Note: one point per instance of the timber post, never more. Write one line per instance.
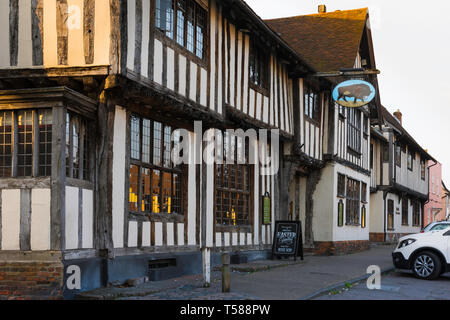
(226, 279)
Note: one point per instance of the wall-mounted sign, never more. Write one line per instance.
(354, 93)
(267, 213)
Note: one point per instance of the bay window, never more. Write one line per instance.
(26, 143)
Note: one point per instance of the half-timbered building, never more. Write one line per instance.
(335, 202)
(92, 93)
(399, 180)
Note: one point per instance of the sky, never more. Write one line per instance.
(412, 51)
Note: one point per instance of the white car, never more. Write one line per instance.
(426, 254)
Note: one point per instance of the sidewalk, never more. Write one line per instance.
(267, 280)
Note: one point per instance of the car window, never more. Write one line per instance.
(440, 227)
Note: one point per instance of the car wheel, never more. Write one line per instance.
(426, 265)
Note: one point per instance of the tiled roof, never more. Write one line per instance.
(326, 41)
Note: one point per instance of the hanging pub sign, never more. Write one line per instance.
(287, 239)
(354, 93)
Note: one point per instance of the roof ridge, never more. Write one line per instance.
(316, 14)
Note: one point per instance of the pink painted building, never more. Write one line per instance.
(434, 210)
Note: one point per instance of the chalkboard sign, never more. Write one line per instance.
(266, 205)
(287, 240)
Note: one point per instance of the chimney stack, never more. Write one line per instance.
(398, 115)
(322, 8)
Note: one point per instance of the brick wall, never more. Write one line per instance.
(31, 280)
(329, 248)
(376, 237)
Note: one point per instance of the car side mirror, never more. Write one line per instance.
(447, 233)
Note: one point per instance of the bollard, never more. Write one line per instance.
(226, 272)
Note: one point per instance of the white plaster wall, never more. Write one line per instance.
(158, 234)
(71, 225)
(146, 234)
(40, 219)
(132, 234)
(376, 212)
(88, 219)
(118, 178)
(323, 206)
(10, 219)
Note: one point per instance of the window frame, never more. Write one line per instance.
(177, 174)
(34, 165)
(416, 215)
(341, 185)
(390, 214)
(354, 131)
(410, 161)
(171, 37)
(259, 59)
(312, 113)
(353, 202)
(244, 171)
(79, 172)
(423, 169)
(398, 155)
(405, 215)
(385, 149)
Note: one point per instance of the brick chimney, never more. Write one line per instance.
(398, 115)
(322, 8)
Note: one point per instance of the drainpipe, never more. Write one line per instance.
(385, 193)
(391, 157)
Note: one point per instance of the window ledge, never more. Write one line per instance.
(353, 225)
(228, 228)
(158, 217)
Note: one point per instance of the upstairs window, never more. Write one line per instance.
(354, 130)
(184, 21)
(26, 143)
(312, 104)
(385, 153)
(259, 67)
(422, 169)
(398, 156)
(366, 126)
(411, 157)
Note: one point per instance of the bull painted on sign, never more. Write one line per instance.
(356, 92)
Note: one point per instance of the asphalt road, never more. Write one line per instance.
(396, 286)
